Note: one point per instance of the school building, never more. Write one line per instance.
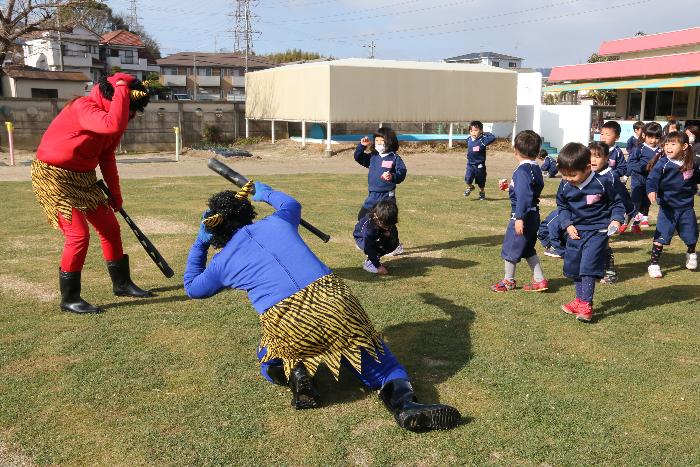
(656, 76)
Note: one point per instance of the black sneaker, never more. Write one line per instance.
(551, 252)
(482, 196)
(468, 191)
(610, 277)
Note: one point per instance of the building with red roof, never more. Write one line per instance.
(656, 76)
(126, 51)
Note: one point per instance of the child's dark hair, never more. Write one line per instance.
(107, 91)
(599, 146)
(543, 154)
(391, 142)
(236, 213)
(574, 157)
(653, 129)
(695, 130)
(667, 127)
(528, 144)
(614, 126)
(386, 212)
(638, 125)
(476, 124)
(688, 156)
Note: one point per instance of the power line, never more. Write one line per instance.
(243, 31)
(133, 17)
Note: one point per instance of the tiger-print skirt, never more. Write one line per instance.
(59, 191)
(322, 323)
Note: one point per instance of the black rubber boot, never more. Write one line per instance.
(69, 283)
(121, 280)
(276, 374)
(399, 398)
(304, 394)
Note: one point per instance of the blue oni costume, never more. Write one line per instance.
(378, 164)
(549, 166)
(552, 235)
(589, 207)
(308, 315)
(375, 241)
(637, 170)
(476, 159)
(675, 191)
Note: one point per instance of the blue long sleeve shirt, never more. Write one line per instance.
(377, 165)
(476, 148)
(637, 163)
(592, 205)
(368, 237)
(617, 161)
(268, 259)
(620, 189)
(525, 189)
(549, 166)
(674, 188)
(632, 144)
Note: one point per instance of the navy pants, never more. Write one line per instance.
(671, 221)
(551, 233)
(516, 247)
(639, 194)
(372, 199)
(586, 256)
(476, 173)
(374, 374)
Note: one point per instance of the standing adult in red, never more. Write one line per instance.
(84, 135)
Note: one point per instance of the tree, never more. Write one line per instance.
(19, 18)
(603, 96)
(292, 55)
(152, 46)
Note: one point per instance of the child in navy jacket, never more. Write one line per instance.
(587, 202)
(637, 171)
(377, 236)
(609, 135)
(549, 166)
(633, 141)
(476, 158)
(521, 233)
(552, 236)
(672, 184)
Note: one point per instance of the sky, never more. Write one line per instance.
(544, 33)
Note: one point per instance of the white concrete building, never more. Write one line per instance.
(29, 82)
(488, 58)
(126, 50)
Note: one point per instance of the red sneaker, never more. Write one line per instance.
(571, 308)
(644, 224)
(503, 285)
(636, 229)
(540, 286)
(584, 312)
(623, 227)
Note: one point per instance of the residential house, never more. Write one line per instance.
(27, 81)
(211, 76)
(655, 76)
(488, 58)
(77, 50)
(126, 51)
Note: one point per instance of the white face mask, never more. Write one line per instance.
(691, 139)
(380, 148)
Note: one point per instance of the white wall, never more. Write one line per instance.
(529, 107)
(65, 89)
(563, 124)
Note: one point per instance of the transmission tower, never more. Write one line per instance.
(133, 17)
(243, 32)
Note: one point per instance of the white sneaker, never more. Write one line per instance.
(398, 251)
(369, 267)
(655, 271)
(691, 261)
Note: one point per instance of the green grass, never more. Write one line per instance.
(172, 381)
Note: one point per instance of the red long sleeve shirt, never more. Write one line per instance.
(86, 133)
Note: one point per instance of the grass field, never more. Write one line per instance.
(172, 381)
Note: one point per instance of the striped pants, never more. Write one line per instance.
(77, 236)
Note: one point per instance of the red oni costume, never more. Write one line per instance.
(84, 135)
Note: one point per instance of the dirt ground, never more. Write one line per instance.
(284, 157)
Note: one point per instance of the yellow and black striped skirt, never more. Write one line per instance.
(322, 323)
(61, 190)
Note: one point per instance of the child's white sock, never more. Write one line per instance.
(534, 263)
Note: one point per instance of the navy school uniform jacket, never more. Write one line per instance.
(637, 163)
(632, 144)
(377, 165)
(372, 239)
(525, 189)
(674, 188)
(476, 148)
(620, 188)
(617, 161)
(591, 205)
(549, 166)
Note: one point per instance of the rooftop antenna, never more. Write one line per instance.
(371, 46)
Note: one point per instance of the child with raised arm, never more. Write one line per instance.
(521, 234)
(672, 184)
(590, 210)
(476, 158)
(637, 170)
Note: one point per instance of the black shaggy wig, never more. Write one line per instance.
(236, 213)
(107, 91)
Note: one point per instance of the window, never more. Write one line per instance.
(38, 93)
(634, 105)
(512, 65)
(128, 57)
(498, 64)
(664, 103)
(697, 104)
(113, 53)
(203, 71)
(170, 70)
(680, 103)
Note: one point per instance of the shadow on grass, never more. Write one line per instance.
(169, 288)
(402, 267)
(652, 298)
(491, 240)
(145, 301)
(432, 351)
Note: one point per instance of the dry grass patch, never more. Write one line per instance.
(24, 289)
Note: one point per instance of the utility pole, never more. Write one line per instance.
(243, 32)
(133, 18)
(194, 63)
(371, 46)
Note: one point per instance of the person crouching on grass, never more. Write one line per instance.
(672, 184)
(521, 234)
(376, 235)
(308, 315)
(587, 201)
